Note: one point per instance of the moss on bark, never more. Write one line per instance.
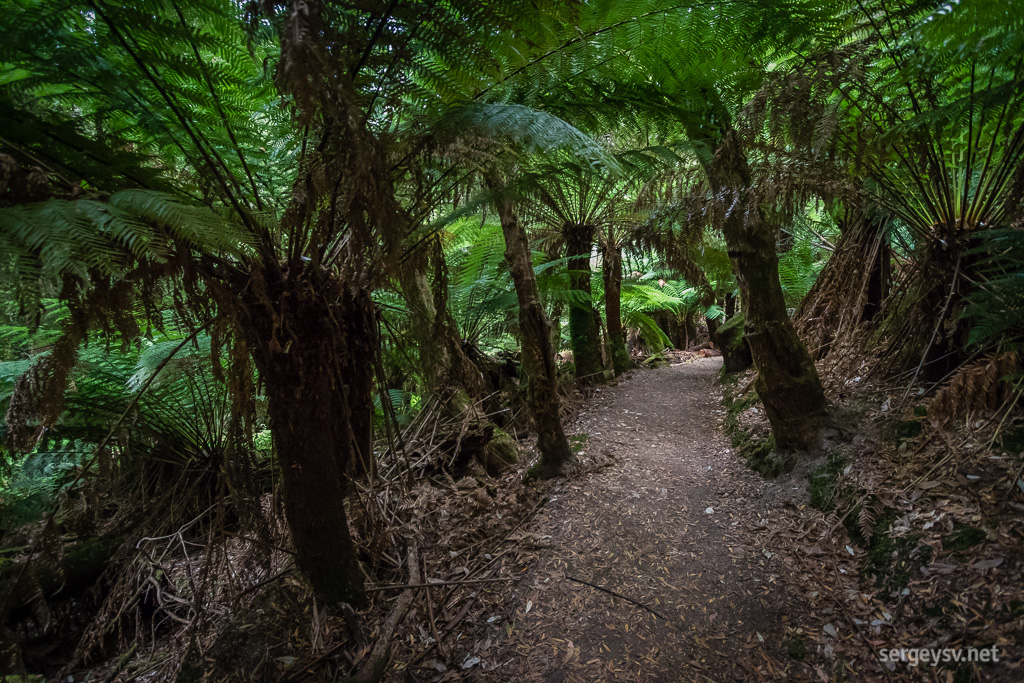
(732, 341)
(499, 453)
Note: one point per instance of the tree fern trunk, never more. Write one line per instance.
(445, 365)
(850, 290)
(787, 381)
(611, 273)
(301, 351)
(538, 356)
(583, 333)
(359, 327)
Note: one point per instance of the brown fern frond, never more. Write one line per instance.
(979, 386)
(868, 515)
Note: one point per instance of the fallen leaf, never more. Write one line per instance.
(988, 564)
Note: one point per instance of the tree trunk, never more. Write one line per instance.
(879, 276)
(583, 333)
(602, 340)
(451, 375)
(730, 305)
(787, 381)
(850, 290)
(733, 344)
(690, 328)
(611, 273)
(301, 350)
(444, 363)
(359, 327)
(538, 357)
(943, 291)
(556, 327)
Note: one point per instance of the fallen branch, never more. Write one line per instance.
(380, 655)
(396, 586)
(618, 595)
(438, 643)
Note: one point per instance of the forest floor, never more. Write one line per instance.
(675, 522)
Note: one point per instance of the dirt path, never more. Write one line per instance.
(668, 524)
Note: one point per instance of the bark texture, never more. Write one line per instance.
(305, 359)
(787, 381)
(538, 355)
(584, 336)
(732, 341)
(611, 274)
(354, 410)
(848, 294)
(443, 361)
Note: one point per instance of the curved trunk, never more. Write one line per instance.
(787, 381)
(583, 333)
(611, 273)
(302, 352)
(538, 356)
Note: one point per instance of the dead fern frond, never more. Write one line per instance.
(867, 516)
(980, 386)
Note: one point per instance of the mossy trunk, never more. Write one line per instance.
(732, 341)
(302, 352)
(443, 362)
(602, 338)
(611, 274)
(584, 336)
(535, 333)
(452, 376)
(787, 381)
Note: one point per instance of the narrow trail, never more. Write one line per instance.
(673, 524)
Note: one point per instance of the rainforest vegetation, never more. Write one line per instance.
(301, 303)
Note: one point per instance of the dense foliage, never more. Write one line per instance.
(247, 250)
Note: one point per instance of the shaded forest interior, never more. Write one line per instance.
(304, 307)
